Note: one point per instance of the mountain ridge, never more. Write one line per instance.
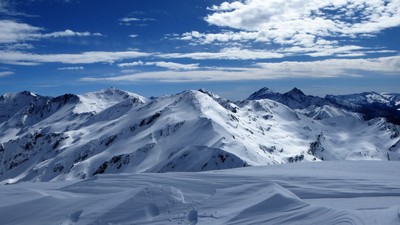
(113, 131)
(370, 104)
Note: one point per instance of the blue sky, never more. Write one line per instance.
(233, 48)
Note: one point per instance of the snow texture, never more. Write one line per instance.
(359, 192)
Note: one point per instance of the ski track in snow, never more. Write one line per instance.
(363, 192)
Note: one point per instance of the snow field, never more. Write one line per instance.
(360, 192)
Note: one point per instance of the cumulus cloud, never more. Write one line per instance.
(15, 32)
(163, 64)
(306, 24)
(264, 71)
(22, 58)
(282, 19)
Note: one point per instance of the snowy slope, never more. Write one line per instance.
(98, 101)
(363, 192)
(113, 131)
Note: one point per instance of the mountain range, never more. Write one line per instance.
(114, 131)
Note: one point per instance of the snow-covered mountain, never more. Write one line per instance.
(369, 105)
(113, 131)
(294, 99)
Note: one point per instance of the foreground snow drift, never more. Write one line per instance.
(304, 193)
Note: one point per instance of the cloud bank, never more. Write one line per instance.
(264, 71)
(21, 58)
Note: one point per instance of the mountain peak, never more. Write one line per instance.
(296, 94)
(12, 95)
(112, 91)
(295, 91)
(262, 94)
(103, 99)
(209, 93)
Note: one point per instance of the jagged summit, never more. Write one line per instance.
(266, 93)
(263, 93)
(295, 92)
(294, 98)
(18, 97)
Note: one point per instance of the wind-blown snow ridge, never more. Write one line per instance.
(113, 131)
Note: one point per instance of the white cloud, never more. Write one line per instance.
(320, 48)
(6, 73)
(72, 68)
(16, 32)
(335, 67)
(175, 76)
(288, 18)
(327, 50)
(12, 31)
(66, 33)
(168, 65)
(133, 36)
(295, 23)
(129, 20)
(227, 53)
(18, 46)
(131, 64)
(21, 58)
(128, 71)
(176, 66)
(263, 71)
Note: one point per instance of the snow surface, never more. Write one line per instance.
(347, 192)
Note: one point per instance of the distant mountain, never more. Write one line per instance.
(113, 131)
(294, 99)
(370, 105)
